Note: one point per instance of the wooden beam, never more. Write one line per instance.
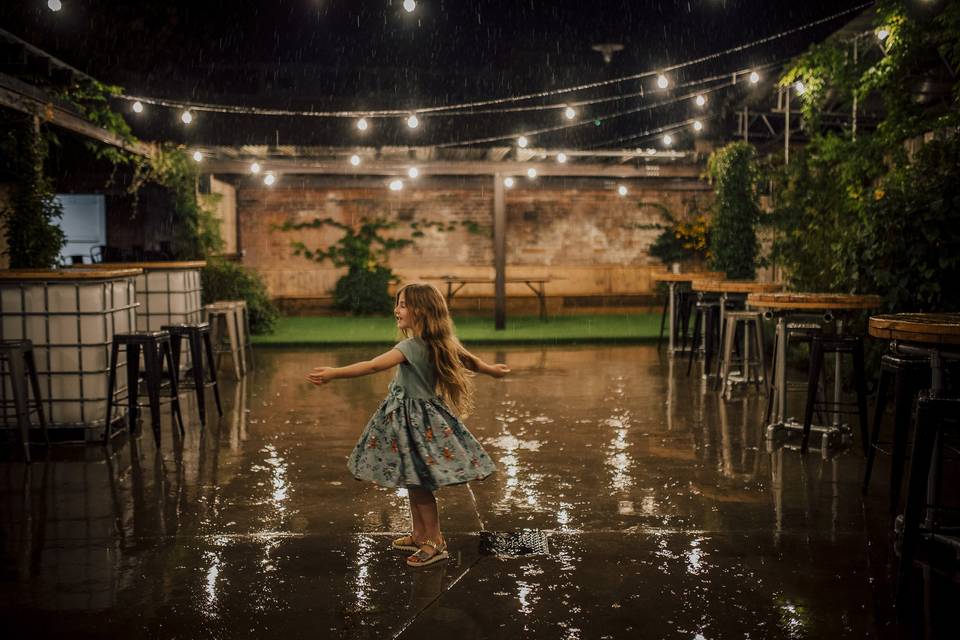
(26, 98)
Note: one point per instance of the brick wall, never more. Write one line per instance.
(578, 231)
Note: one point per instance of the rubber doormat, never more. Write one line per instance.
(512, 544)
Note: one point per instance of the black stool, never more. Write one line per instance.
(155, 346)
(18, 354)
(937, 419)
(706, 332)
(822, 345)
(910, 375)
(198, 341)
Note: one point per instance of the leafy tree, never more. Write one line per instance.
(733, 238)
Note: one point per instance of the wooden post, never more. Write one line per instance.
(786, 126)
(499, 253)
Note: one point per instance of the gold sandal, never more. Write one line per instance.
(423, 558)
(405, 543)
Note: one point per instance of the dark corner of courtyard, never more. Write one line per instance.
(422, 319)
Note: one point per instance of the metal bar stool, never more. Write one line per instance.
(155, 346)
(794, 333)
(244, 324)
(224, 323)
(822, 345)
(198, 341)
(752, 323)
(909, 375)
(706, 332)
(18, 355)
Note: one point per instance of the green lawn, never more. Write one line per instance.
(585, 329)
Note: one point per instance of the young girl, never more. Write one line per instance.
(415, 440)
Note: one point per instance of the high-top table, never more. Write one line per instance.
(935, 336)
(787, 306)
(675, 285)
(735, 289)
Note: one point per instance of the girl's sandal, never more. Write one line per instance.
(423, 558)
(406, 543)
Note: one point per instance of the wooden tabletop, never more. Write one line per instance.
(813, 301)
(735, 286)
(667, 276)
(929, 328)
(39, 275)
(147, 266)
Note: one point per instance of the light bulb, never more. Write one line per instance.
(197, 156)
(269, 179)
(697, 125)
(138, 107)
(883, 34)
(754, 77)
(362, 124)
(561, 157)
(622, 190)
(54, 5)
(522, 142)
(531, 173)
(662, 81)
(700, 100)
(668, 139)
(413, 122)
(508, 182)
(355, 160)
(409, 5)
(396, 185)
(570, 113)
(799, 87)
(186, 117)
(413, 172)
(255, 168)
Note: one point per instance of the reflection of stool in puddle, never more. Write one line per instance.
(822, 345)
(198, 340)
(16, 356)
(156, 347)
(752, 322)
(910, 375)
(938, 419)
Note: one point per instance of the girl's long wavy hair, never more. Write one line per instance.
(432, 317)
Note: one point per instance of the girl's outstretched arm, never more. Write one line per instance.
(388, 360)
(475, 363)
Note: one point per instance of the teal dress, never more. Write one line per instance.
(414, 439)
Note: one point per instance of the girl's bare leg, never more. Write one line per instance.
(423, 506)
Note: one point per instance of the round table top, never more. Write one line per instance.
(929, 328)
(668, 276)
(813, 301)
(735, 286)
(49, 275)
(147, 266)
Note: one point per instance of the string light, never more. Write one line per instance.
(799, 87)
(269, 179)
(508, 182)
(362, 124)
(413, 122)
(754, 77)
(396, 185)
(662, 81)
(522, 142)
(700, 100)
(197, 156)
(622, 190)
(667, 139)
(531, 173)
(409, 5)
(138, 107)
(186, 117)
(883, 34)
(570, 113)
(561, 157)
(413, 172)
(255, 168)
(54, 5)
(355, 160)
(697, 125)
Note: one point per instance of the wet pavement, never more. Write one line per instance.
(665, 515)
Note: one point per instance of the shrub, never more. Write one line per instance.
(733, 238)
(364, 291)
(225, 280)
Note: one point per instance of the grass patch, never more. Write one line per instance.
(585, 329)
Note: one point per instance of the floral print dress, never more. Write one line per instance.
(414, 440)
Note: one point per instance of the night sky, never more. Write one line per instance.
(372, 54)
